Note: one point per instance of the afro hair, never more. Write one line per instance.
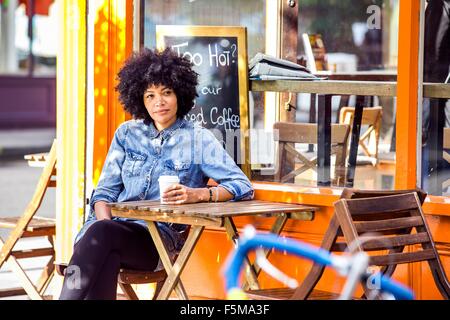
(152, 67)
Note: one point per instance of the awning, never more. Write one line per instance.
(40, 6)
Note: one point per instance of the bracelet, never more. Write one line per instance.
(210, 194)
(217, 194)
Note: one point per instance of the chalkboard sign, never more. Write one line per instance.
(219, 56)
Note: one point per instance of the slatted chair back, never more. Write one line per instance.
(287, 134)
(332, 241)
(392, 223)
(371, 117)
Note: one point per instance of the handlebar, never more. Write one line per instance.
(251, 241)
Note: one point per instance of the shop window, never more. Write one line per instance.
(435, 117)
(345, 40)
(359, 42)
(353, 35)
(247, 13)
(28, 37)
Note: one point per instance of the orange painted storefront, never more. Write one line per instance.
(113, 39)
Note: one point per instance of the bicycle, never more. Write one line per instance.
(353, 267)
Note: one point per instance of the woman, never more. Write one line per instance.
(158, 89)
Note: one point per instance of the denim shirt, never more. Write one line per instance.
(139, 154)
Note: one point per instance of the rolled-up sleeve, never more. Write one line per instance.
(110, 184)
(219, 166)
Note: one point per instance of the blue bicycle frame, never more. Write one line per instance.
(251, 241)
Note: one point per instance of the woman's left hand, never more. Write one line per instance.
(178, 193)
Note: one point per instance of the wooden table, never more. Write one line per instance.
(199, 216)
(36, 159)
(39, 160)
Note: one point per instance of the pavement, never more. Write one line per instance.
(17, 184)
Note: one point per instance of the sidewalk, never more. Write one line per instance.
(15, 143)
(32, 266)
(17, 184)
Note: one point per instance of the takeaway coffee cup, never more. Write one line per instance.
(165, 182)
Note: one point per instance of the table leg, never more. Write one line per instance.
(173, 280)
(251, 277)
(276, 229)
(312, 116)
(323, 140)
(354, 141)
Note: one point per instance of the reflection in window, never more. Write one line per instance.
(348, 40)
(356, 35)
(436, 146)
(436, 112)
(16, 56)
(375, 166)
(249, 14)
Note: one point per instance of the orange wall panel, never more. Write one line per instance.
(202, 276)
(407, 97)
(113, 40)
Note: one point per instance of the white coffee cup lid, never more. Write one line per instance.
(169, 178)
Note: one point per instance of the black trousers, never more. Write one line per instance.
(98, 256)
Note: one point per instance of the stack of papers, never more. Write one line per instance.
(265, 67)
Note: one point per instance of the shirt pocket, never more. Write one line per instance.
(178, 168)
(134, 161)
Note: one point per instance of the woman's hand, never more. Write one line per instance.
(178, 194)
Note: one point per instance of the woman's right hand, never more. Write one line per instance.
(178, 194)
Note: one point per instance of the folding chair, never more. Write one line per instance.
(398, 222)
(27, 226)
(332, 241)
(368, 141)
(289, 133)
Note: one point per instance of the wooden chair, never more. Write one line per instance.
(27, 226)
(398, 222)
(128, 277)
(332, 241)
(288, 133)
(368, 141)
